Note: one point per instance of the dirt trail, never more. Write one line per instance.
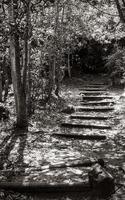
(27, 158)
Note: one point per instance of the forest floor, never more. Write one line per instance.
(28, 157)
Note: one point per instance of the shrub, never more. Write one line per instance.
(116, 67)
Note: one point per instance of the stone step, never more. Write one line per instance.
(96, 109)
(96, 97)
(97, 103)
(89, 117)
(81, 137)
(90, 126)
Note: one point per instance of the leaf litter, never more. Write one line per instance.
(41, 150)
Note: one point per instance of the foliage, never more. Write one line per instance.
(56, 30)
(116, 67)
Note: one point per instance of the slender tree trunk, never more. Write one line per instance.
(123, 1)
(56, 68)
(69, 67)
(27, 67)
(121, 15)
(6, 79)
(0, 87)
(54, 75)
(19, 90)
(57, 79)
(29, 86)
(26, 45)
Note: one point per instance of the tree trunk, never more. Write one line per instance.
(55, 78)
(120, 11)
(6, 79)
(29, 86)
(0, 87)
(69, 67)
(123, 1)
(19, 90)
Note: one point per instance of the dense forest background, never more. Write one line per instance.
(44, 42)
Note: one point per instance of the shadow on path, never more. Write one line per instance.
(8, 145)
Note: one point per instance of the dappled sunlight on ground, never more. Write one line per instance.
(31, 156)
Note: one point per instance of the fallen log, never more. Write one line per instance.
(45, 188)
(89, 117)
(83, 164)
(73, 125)
(81, 137)
(100, 182)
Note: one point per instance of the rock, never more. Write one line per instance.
(100, 179)
(69, 110)
(4, 113)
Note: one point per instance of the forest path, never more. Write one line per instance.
(30, 158)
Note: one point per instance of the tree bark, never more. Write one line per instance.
(123, 1)
(121, 15)
(0, 87)
(69, 67)
(19, 90)
(55, 67)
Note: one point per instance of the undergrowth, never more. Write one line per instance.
(116, 67)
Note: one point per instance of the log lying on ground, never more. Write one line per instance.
(100, 179)
(74, 125)
(45, 188)
(89, 117)
(81, 137)
(83, 164)
(100, 182)
(96, 97)
(97, 109)
(98, 103)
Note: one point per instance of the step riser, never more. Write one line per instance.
(97, 103)
(93, 89)
(95, 86)
(92, 93)
(84, 126)
(94, 98)
(82, 137)
(95, 110)
(89, 118)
